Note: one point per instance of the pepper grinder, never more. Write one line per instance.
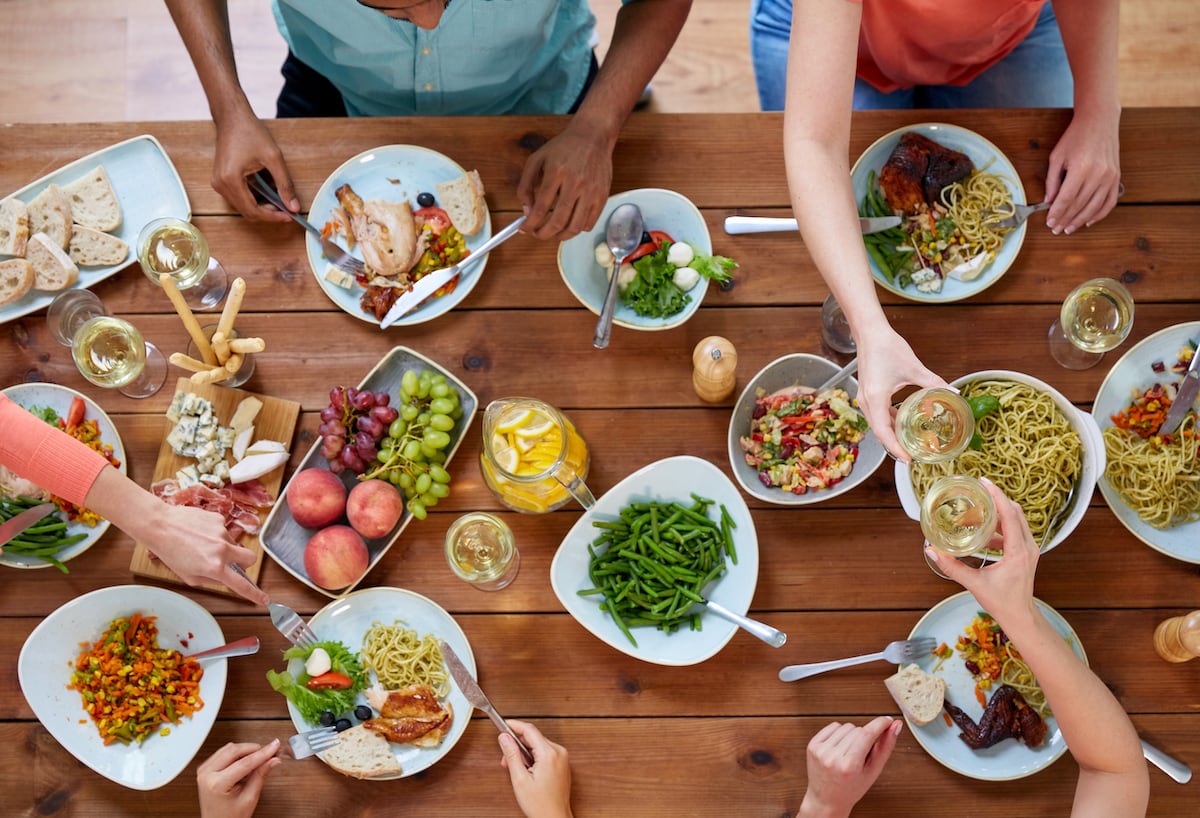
(714, 368)
(1178, 639)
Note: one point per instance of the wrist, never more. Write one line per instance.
(814, 807)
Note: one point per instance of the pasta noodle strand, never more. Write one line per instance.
(1160, 481)
(399, 657)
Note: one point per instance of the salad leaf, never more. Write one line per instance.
(45, 413)
(714, 268)
(652, 292)
(312, 703)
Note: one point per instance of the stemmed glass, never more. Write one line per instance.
(1096, 317)
(176, 247)
(108, 351)
(958, 518)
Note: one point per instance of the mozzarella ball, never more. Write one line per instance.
(625, 276)
(685, 278)
(680, 254)
(604, 256)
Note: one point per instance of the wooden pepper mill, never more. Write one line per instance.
(714, 372)
(1178, 639)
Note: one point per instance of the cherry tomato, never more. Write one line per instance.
(332, 680)
(75, 413)
(437, 219)
(657, 237)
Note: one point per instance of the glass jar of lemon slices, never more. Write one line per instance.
(533, 459)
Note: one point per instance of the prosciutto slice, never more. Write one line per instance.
(239, 504)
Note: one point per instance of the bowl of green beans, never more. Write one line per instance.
(636, 568)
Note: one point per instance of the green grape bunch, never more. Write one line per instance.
(412, 455)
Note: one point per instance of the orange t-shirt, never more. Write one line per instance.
(903, 43)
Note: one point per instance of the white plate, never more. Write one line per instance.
(48, 657)
(392, 173)
(347, 619)
(1009, 759)
(147, 186)
(59, 399)
(665, 480)
(982, 152)
(1133, 372)
(661, 209)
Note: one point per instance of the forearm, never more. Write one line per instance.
(204, 27)
(125, 504)
(1089, 31)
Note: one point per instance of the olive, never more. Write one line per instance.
(362, 712)
(645, 237)
(327, 718)
(343, 724)
(426, 199)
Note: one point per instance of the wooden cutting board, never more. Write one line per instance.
(276, 421)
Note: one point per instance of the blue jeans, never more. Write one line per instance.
(1035, 74)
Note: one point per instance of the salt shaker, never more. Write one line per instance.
(714, 373)
(1178, 639)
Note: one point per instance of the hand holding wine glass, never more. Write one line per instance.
(1096, 317)
(178, 248)
(108, 351)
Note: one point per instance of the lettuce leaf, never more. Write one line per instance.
(312, 703)
(714, 268)
(653, 293)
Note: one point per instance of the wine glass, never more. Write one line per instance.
(934, 425)
(958, 518)
(108, 351)
(1096, 317)
(178, 248)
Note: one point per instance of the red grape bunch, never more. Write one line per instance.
(351, 427)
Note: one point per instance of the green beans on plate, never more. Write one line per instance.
(44, 539)
(653, 564)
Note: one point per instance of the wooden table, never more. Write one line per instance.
(724, 737)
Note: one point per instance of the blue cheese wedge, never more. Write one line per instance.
(197, 433)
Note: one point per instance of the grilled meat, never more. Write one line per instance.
(410, 715)
(1006, 716)
(386, 231)
(918, 169)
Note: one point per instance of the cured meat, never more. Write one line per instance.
(1006, 716)
(410, 715)
(386, 232)
(378, 300)
(238, 504)
(918, 169)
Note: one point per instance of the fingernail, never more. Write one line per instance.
(1056, 231)
(932, 553)
(274, 743)
(986, 482)
(1089, 224)
(898, 727)
(1070, 230)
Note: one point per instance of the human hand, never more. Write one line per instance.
(843, 763)
(543, 790)
(231, 779)
(195, 545)
(244, 146)
(565, 184)
(1084, 173)
(886, 364)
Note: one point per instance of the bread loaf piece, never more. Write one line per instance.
(362, 753)
(50, 213)
(16, 279)
(463, 201)
(14, 227)
(52, 267)
(92, 248)
(93, 201)
(919, 694)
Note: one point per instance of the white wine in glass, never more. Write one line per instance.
(1096, 317)
(108, 351)
(178, 248)
(934, 425)
(958, 516)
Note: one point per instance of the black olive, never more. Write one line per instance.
(327, 718)
(645, 237)
(362, 712)
(343, 724)
(426, 200)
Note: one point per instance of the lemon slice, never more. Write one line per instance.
(515, 421)
(534, 430)
(506, 456)
(524, 445)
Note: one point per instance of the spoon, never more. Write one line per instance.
(242, 647)
(623, 235)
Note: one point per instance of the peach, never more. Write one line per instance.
(316, 497)
(374, 507)
(336, 557)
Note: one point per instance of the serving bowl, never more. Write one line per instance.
(661, 210)
(1082, 423)
(797, 369)
(672, 479)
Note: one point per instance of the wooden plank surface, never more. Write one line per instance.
(723, 737)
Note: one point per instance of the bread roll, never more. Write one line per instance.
(93, 201)
(16, 279)
(362, 753)
(919, 694)
(463, 201)
(52, 268)
(14, 227)
(50, 213)
(92, 248)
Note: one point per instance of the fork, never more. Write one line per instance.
(1024, 211)
(291, 625)
(905, 650)
(314, 741)
(336, 255)
(1058, 515)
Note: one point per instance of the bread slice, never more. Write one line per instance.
(50, 213)
(462, 199)
(919, 694)
(52, 267)
(14, 227)
(362, 753)
(93, 201)
(92, 248)
(16, 279)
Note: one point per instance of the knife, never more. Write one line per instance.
(763, 224)
(429, 284)
(24, 520)
(1176, 769)
(470, 689)
(1185, 397)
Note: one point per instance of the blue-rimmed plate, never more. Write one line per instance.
(985, 156)
(48, 656)
(347, 619)
(1009, 759)
(661, 210)
(59, 398)
(392, 173)
(1134, 372)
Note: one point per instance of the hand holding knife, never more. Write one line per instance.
(470, 688)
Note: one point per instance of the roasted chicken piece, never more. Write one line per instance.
(918, 169)
(410, 715)
(386, 232)
(1006, 716)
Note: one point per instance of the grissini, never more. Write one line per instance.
(188, 318)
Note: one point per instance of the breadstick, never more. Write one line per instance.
(218, 373)
(233, 303)
(246, 345)
(234, 363)
(188, 362)
(220, 346)
(189, 320)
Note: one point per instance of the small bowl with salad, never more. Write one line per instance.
(664, 280)
(791, 446)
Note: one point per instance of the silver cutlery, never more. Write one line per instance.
(1024, 211)
(1184, 398)
(291, 625)
(736, 225)
(760, 630)
(242, 647)
(622, 235)
(315, 741)
(1176, 769)
(905, 650)
(26, 519)
(470, 688)
(336, 255)
(837, 377)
